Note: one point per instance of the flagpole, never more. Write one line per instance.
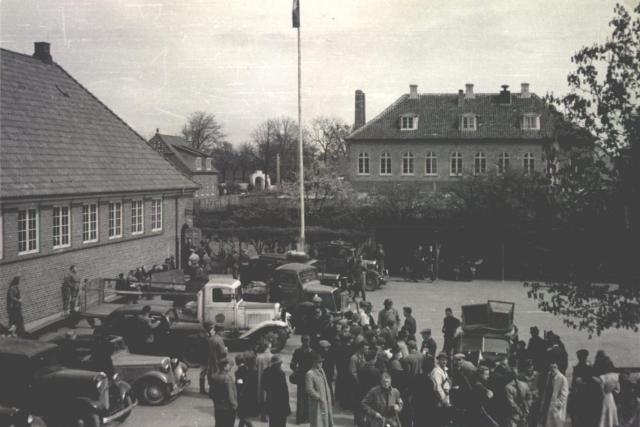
(300, 147)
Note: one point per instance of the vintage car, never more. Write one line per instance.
(155, 380)
(34, 381)
(487, 331)
(289, 281)
(14, 417)
(333, 259)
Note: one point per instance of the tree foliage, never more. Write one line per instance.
(329, 134)
(203, 131)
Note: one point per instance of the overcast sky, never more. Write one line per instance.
(154, 62)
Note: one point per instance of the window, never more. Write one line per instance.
(27, 231)
(407, 164)
(468, 122)
(528, 163)
(90, 223)
(455, 168)
(156, 215)
(503, 163)
(198, 163)
(61, 229)
(115, 220)
(480, 163)
(208, 163)
(363, 164)
(431, 164)
(385, 164)
(409, 122)
(531, 122)
(137, 217)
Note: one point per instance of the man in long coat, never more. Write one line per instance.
(383, 403)
(263, 361)
(320, 408)
(274, 383)
(554, 398)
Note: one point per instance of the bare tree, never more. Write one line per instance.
(329, 134)
(203, 131)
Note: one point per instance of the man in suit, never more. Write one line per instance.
(216, 351)
(383, 403)
(320, 407)
(223, 392)
(274, 384)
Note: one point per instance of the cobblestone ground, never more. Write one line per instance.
(428, 301)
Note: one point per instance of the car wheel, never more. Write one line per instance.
(84, 418)
(371, 284)
(277, 338)
(153, 392)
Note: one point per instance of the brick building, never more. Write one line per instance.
(434, 139)
(77, 186)
(196, 164)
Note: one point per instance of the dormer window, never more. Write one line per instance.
(208, 163)
(468, 122)
(531, 122)
(409, 122)
(198, 163)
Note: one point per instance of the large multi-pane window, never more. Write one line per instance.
(431, 164)
(363, 164)
(27, 231)
(115, 220)
(480, 163)
(137, 217)
(61, 229)
(455, 166)
(156, 215)
(407, 164)
(90, 223)
(503, 163)
(528, 163)
(468, 122)
(385, 164)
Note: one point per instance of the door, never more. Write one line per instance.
(222, 307)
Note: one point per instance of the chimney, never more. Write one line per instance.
(42, 52)
(413, 91)
(505, 95)
(360, 118)
(460, 98)
(524, 90)
(469, 91)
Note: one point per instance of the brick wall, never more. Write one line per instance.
(42, 273)
(208, 183)
(443, 150)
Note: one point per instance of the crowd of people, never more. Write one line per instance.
(374, 367)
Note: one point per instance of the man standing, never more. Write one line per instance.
(553, 411)
(450, 326)
(14, 307)
(145, 327)
(274, 384)
(263, 361)
(519, 402)
(414, 362)
(216, 351)
(442, 385)
(383, 403)
(70, 286)
(301, 362)
(388, 313)
(380, 259)
(368, 377)
(320, 407)
(224, 395)
(409, 323)
(359, 278)
(585, 402)
(429, 345)
(537, 349)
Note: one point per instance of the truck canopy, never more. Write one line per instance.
(493, 317)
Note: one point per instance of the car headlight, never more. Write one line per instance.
(166, 365)
(116, 377)
(175, 362)
(29, 419)
(102, 382)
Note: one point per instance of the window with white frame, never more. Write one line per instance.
(208, 163)
(455, 165)
(409, 122)
(90, 223)
(27, 231)
(198, 163)
(385, 164)
(407, 164)
(137, 217)
(480, 163)
(115, 220)
(531, 122)
(156, 215)
(468, 122)
(61, 229)
(363, 164)
(528, 163)
(431, 164)
(503, 163)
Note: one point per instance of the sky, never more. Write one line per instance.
(154, 62)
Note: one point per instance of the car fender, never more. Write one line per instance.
(87, 404)
(154, 375)
(263, 326)
(124, 389)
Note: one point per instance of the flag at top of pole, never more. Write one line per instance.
(295, 14)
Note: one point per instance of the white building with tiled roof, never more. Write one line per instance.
(77, 186)
(435, 139)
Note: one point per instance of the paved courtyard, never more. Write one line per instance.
(428, 301)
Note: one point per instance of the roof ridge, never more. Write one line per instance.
(382, 113)
(22, 54)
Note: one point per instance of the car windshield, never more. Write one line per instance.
(222, 294)
(308, 275)
(495, 345)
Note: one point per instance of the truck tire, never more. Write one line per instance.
(152, 392)
(277, 337)
(371, 283)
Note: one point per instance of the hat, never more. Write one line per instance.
(442, 355)
(425, 331)
(275, 359)
(582, 353)
(459, 356)
(324, 344)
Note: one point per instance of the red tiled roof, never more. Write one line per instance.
(56, 138)
(439, 118)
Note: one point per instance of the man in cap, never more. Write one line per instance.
(450, 326)
(388, 313)
(383, 403)
(429, 345)
(462, 378)
(442, 385)
(224, 395)
(585, 403)
(320, 407)
(274, 384)
(216, 351)
(301, 362)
